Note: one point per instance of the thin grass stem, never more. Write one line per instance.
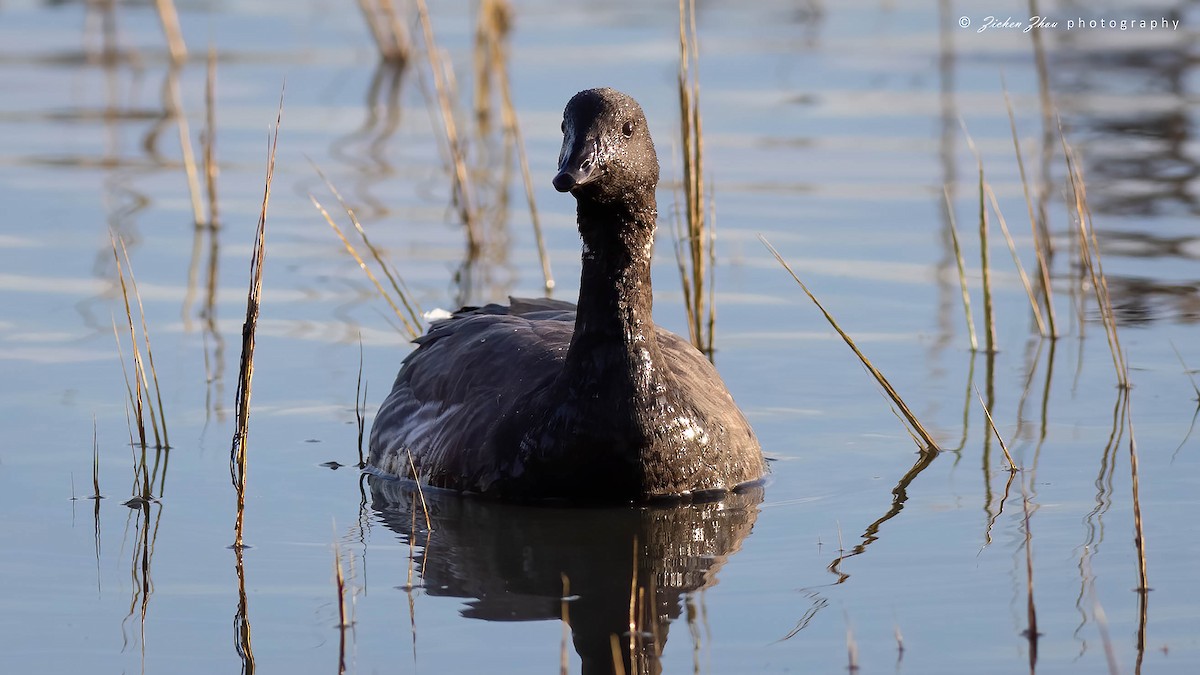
(931, 445)
(962, 274)
(1012, 248)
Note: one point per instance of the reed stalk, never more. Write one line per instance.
(1012, 248)
(1012, 466)
(457, 150)
(1089, 252)
(387, 30)
(238, 457)
(696, 267)
(508, 115)
(175, 106)
(171, 31)
(989, 315)
(95, 464)
(962, 274)
(915, 426)
(411, 317)
(161, 416)
(142, 405)
(411, 327)
(1040, 237)
(209, 152)
(360, 401)
(1139, 537)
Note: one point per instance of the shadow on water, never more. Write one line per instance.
(626, 568)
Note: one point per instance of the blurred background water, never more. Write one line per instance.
(835, 130)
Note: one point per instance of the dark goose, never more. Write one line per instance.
(543, 400)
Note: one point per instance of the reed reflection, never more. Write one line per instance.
(630, 570)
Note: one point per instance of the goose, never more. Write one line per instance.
(543, 400)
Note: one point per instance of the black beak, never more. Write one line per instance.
(578, 166)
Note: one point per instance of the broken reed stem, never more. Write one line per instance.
(692, 136)
(237, 459)
(916, 426)
(962, 273)
(1012, 248)
(210, 137)
(171, 30)
(1040, 236)
(412, 322)
(1089, 251)
(1012, 466)
(413, 330)
(457, 154)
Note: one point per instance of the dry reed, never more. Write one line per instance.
(174, 105)
(161, 417)
(496, 15)
(1089, 252)
(209, 140)
(241, 619)
(989, 315)
(1012, 466)
(95, 464)
(1012, 248)
(237, 458)
(171, 31)
(411, 316)
(962, 273)
(455, 145)
(1139, 537)
(1040, 238)
(695, 268)
(928, 445)
(139, 393)
(388, 31)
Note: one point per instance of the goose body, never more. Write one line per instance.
(546, 400)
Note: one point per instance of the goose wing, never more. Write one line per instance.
(467, 374)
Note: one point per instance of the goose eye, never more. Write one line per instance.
(627, 129)
(564, 126)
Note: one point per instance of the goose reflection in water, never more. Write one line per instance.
(508, 561)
